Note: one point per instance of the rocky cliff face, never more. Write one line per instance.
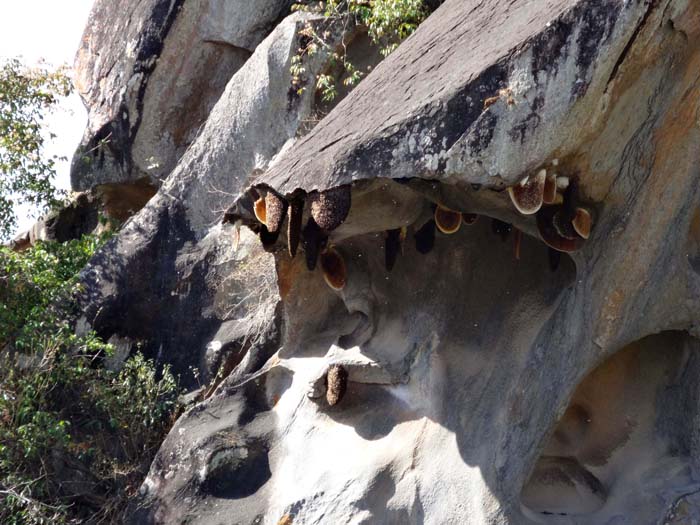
(150, 72)
(407, 365)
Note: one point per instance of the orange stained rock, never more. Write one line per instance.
(288, 270)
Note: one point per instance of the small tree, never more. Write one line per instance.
(387, 22)
(26, 174)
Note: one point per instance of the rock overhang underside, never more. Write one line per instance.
(509, 111)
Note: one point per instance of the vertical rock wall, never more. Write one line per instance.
(150, 72)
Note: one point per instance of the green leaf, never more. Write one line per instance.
(26, 173)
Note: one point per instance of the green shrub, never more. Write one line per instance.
(76, 439)
(387, 22)
(35, 284)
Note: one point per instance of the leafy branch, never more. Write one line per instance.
(387, 23)
(76, 437)
(26, 174)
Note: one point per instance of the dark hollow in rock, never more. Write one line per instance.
(561, 485)
(238, 471)
(425, 237)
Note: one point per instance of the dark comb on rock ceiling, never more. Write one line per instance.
(331, 207)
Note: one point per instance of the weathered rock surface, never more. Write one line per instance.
(78, 217)
(150, 72)
(172, 277)
(103, 208)
(481, 387)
